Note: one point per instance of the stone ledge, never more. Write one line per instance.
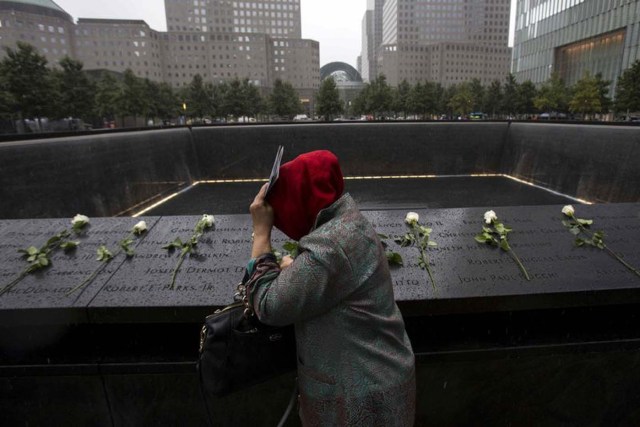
(470, 277)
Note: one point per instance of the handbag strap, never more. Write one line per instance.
(242, 295)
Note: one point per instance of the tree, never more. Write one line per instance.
(328, 103)
(477, 95)
(527, 92)
(586, 96)
(422, 99)
(167, 102)
(76, 91)
(603, 92)
(379, 97)
(359, 105)
(553, 95)
(462, 101)
(493, 98)
(198, 98)
(510, 96)
(132, 101)
(284, 100)
(232, 102)
(6, 103)
(402, 98)
(252, 99)
(108, 92)
(628, 89)
(27, 81)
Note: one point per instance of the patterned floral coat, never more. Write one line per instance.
(355, 362)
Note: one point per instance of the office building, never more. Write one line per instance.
(371, 39)
(445, 41)
(574, 36)
(218, 39)
(41, 23)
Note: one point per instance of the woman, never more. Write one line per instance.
(355, 362)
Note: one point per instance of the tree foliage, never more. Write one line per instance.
(284, 101)
(107, 96)
(76, 92)
(586, 96)
(527, 93)
(328, 103)
(27, 82)
(461, 102)
(553, 95)
(628, 90)
(493, 98)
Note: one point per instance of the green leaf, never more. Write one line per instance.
(176, 244)
(53, 240)
(380, 236)
(290, 247)
(579, 242)
(480, 238)
(566, 223)
(69, 245)
(432, 244)
(394, 258)
(499, 227)
(575, 231)
(584, 221)
(33, 250)
(504, 245)
(487, 229)
(104, 254)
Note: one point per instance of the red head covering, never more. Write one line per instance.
(306, 185)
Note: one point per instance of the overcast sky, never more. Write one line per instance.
(336, 24)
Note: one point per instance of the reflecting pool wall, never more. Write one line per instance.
(117, 174)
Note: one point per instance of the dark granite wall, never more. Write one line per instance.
(364, 148)
(596, 163)
(108, 174)
(101, 175)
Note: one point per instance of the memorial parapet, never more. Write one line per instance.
(469, 277)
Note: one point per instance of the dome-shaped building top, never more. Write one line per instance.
(40, 23)
(37, 7)
(341, 72)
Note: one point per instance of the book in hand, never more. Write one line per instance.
(275, 171)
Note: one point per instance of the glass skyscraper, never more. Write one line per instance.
(575, 36)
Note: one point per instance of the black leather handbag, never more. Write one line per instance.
(237, 350)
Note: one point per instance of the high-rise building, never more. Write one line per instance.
(445, 41)
(367, 55)
(574, 36)
(371, 39)
(218, 39)
(277, 18)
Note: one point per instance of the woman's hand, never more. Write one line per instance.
(262, 216)
(286, 262)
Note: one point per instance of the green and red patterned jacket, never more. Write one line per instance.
(355, 362)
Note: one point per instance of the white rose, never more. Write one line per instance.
(490, 216)
(79, 221)
(412, 218)
(140, 227)
(568, 210)
(208, 220)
